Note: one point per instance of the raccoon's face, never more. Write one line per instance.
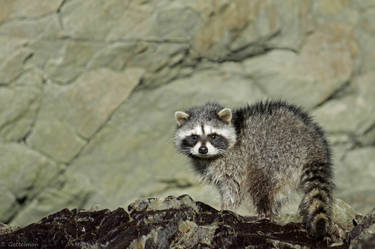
(205, 133)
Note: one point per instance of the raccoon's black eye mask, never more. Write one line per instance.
(194, 137)
(218, 141)
(213, 136)
(190, 141)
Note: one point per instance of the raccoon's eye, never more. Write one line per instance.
(212, 136)
(194, 137)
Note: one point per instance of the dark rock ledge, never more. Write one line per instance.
(176, 222)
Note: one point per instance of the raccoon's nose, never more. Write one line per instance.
(203, 149)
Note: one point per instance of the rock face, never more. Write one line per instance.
(363, 234)
(88, 90)
(172, 223)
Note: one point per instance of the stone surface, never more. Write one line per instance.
(363, 234)
(352, 112)
(24, 174)
(365, 31)
(94, 85)
(359, 189)
(234, 30)
(70, 191)
(13, 56)
(69, 61)
(45, 27)
(175, 222)
(71, 115)
(23, 9)
(19, 104)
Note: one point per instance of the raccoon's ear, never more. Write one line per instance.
(225, 115)
(181, 117)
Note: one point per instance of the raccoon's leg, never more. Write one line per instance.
(316, 183)
(230, 194)
(261, 191)
(265, 206)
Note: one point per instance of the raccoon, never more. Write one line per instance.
(261, 153)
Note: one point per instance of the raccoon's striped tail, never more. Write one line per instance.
(316, 182)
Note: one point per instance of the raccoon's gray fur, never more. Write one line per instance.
(261, 152)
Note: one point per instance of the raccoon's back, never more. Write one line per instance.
(279, 135)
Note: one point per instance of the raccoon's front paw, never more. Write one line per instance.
(229, 204)
(265, 215)
(230, 201)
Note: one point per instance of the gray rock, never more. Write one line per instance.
(45, 27)
(71, 115)
(14, 55)
(70, 191)
(115, 56)
(352, 112)
(19, 104)
(70, 60)
(367, 138)
(365, 30)
(176, 23)
(363, 234)
(355, 177)
(24, 174)
(236, 30)
(7, 204)
(120, 20)
(21, 9)
(295, 76)
(175, 222)
(163, 62)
